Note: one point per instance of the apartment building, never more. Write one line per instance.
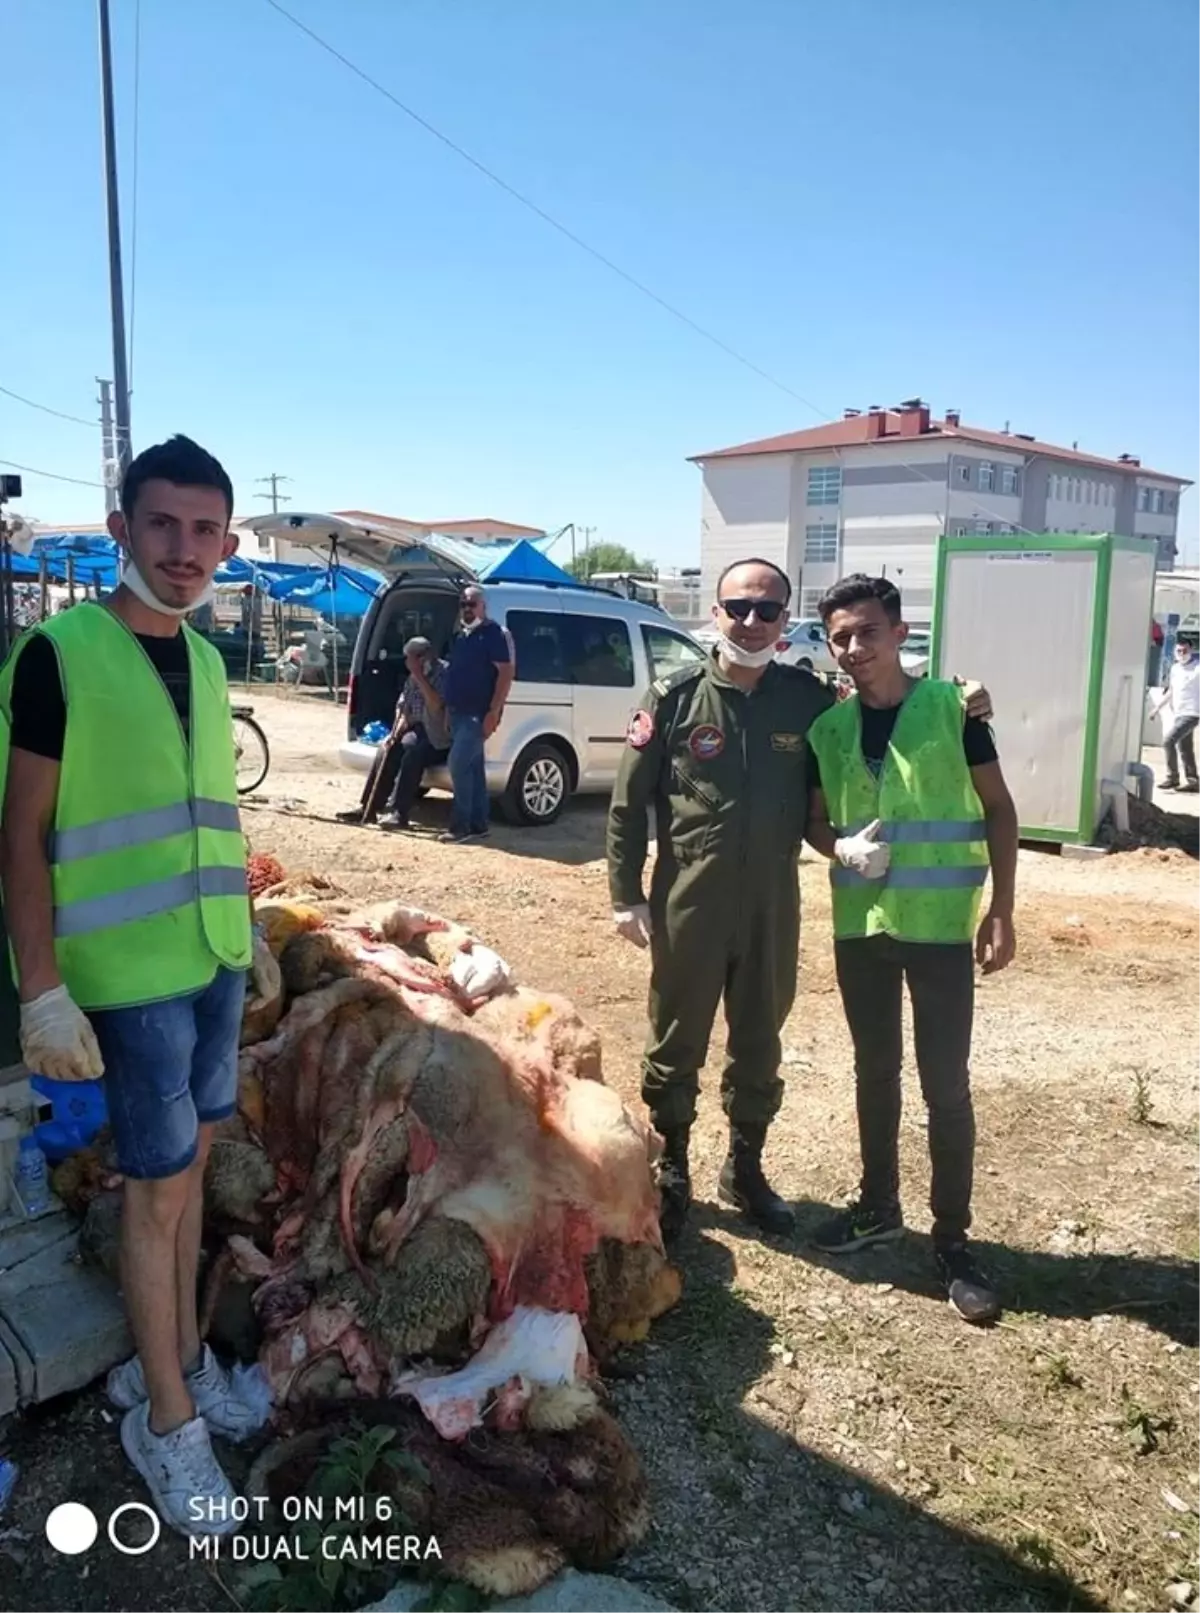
(873, 492)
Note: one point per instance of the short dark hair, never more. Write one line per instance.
(856, 589)
(768, 565)
(181, 461)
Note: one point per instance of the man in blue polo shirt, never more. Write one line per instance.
(474, 689)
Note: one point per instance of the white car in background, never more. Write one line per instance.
(804, 645)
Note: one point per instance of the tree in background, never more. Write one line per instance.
(609, 557)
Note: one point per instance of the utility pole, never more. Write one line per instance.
(110, 468)
(124, 450)
(277, 498)
(587, 547)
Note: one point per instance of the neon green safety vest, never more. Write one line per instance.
(930, 815)
(147, 856)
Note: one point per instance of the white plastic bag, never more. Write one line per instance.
(532, 1346)
(479, 973)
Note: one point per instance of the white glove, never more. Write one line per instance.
(56, 1039)
(864, 853)
(478, 972)
(633, 924)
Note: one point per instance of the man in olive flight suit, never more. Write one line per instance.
(718, 753)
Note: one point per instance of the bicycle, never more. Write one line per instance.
(252, 753)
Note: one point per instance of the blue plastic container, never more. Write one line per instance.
(375, 733)
(78, 1111)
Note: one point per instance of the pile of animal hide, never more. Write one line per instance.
(430, 1200)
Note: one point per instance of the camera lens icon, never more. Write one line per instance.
(72, 1528)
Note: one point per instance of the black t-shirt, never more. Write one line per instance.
(39, 708)
(979, 745)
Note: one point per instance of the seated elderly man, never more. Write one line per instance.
(418, 740)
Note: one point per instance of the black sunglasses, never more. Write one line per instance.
(767, 610)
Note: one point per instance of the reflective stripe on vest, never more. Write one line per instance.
(141, 828)
(912, 879)
(918, 832)
(146, 901)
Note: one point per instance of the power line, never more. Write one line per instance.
(52, 475)
(540, 212)
(585, 246)
(45, 409)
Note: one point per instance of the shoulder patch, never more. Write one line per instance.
(641, 730)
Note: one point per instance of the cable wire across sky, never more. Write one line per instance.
(585, 246)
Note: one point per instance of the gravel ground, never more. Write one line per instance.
(829, 1435)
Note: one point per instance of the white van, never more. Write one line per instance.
(584, 657)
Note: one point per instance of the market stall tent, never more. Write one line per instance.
(1057, 627)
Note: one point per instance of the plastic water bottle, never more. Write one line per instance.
(33, 1179)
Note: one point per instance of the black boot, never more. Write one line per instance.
(743, 1184)
(675, 1183)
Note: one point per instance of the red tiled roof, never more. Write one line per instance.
(860, 430)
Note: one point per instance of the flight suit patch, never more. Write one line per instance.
(792, 744)
(641, 730)
(706, 743)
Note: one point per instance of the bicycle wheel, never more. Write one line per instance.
(252, 753)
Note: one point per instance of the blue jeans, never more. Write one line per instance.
(170, 1068)
(469, 813)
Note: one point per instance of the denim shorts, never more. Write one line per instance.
(169, 1068)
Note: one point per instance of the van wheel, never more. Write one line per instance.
(538, 787)
(804, 664)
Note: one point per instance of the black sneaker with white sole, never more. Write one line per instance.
(970, 1291)
(856, 1227)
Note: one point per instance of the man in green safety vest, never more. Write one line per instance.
(123, 868)
(908, 801)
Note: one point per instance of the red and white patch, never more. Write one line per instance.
(641, 730)
(706, 743)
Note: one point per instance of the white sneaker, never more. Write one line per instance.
(190, 1492)
(212, 1393)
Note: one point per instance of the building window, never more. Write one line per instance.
(981, 527)
(1156, 502)
(821, 543)
(810, 598)
(1144, 499)
(1006, 529)
(987, 476)
(1008, 479)
(1170, 503)
(1089, 492)
(824, 484)
(964, 475)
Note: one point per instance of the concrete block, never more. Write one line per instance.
(1084, 854)
(66, 1318)
(21, 1239)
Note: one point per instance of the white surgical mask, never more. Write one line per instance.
(737, 656)
(137, 585)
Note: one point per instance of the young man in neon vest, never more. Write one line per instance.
(908, 800)
(124, 878)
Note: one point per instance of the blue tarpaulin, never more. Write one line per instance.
(523, 563)
(331, 593)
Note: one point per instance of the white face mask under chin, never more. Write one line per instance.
(737, 656)
(137, 585)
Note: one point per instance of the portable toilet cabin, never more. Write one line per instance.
(1057, 626)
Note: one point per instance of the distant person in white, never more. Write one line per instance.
(1182, 693)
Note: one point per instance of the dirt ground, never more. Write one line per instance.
(825, 1434)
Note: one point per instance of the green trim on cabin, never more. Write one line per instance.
(1054, 835)
(1091, 722)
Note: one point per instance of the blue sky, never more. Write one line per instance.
(990, 205)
